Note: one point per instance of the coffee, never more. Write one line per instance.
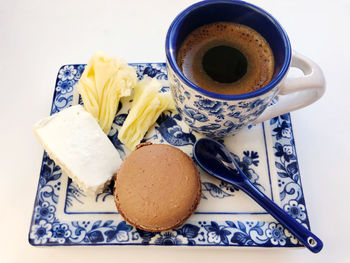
(226, 58)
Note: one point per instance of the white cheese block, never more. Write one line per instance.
(75, 141)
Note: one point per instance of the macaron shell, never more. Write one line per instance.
(157, 187)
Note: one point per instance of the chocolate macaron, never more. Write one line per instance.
(157, 187)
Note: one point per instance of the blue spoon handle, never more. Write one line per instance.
(311, 241)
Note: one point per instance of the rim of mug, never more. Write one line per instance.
(171, 56)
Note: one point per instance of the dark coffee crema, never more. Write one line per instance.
(226, 58)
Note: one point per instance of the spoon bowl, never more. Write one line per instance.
(217, 160)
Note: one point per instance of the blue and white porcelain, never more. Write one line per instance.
(226, 217)
(215, 159)
(217, 115)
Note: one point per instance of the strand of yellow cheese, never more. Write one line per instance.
(147, 105)
(104, 81)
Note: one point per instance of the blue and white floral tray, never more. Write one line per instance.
(64, 215)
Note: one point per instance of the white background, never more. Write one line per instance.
(37, 37)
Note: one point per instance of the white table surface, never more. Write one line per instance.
(37, 37)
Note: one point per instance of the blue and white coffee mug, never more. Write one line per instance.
(217, 115)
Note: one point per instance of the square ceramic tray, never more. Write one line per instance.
(64, 215)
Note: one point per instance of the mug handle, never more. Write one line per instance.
(298, 92)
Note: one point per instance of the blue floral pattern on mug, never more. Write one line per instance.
(48, 228)
(218, 117)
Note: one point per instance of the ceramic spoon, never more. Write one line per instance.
(216, 160)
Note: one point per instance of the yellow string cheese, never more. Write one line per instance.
(146, 107)
(104, 81)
